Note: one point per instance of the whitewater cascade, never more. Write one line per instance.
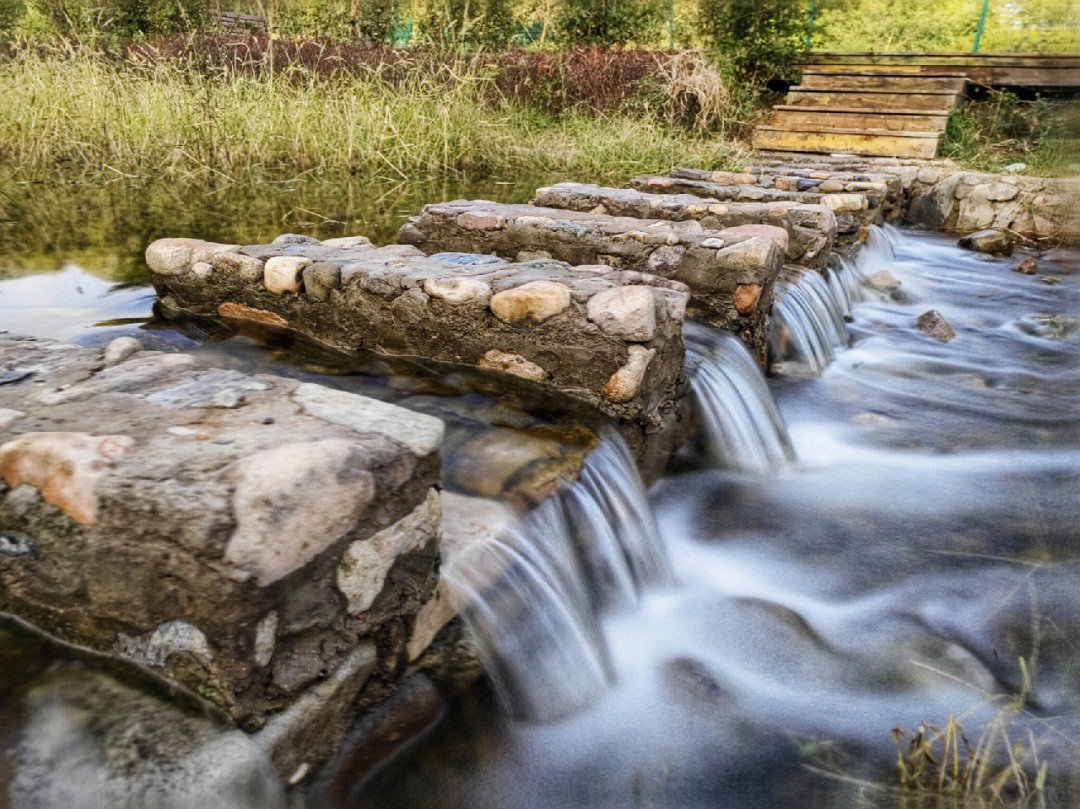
(741, 424)
(810, 309)
(535, 593)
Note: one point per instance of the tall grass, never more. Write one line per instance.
(74, 112)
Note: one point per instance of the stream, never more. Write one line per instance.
(890, 538)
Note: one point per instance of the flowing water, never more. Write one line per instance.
(884, 533)
(917, 561)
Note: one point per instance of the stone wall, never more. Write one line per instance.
(810, 229)
(853, 209)
(608, 338)
(241, 536)
(730, 275)
(962, 202)
(939, 195)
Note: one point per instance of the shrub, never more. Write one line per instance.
(11, 11)
(125, 19)
(470, 22)
(610, 22)
(760, 39)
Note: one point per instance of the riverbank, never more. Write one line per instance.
(83, 114)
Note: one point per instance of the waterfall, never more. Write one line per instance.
(535, 593)
(808, 318)
(742, 426)
(879, 250)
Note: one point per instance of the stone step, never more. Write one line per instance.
(608, 338)
(240, 536)
(809, 230)
(852, 209)
(730, 275)
(787, 176)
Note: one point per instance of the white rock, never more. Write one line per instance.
(755, 253)
(624, 384)
(120, 349)
(238, 265)
(283, 274)
(292, 502)
(155, 648)
(266, 639)
(845, 203)
(627, 312)
(421, 433)
(365, 563)
(883, 281)
(9, 416)
(348, 242)
(175, 256)
(459, 290)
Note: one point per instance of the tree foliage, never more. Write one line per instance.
(762, 38)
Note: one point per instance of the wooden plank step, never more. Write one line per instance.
(936, 101)
(956, 59)
(1008, 69)
(802, 117)
(894, 144)
(830, 80)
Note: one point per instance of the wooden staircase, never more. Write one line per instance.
(870, 111)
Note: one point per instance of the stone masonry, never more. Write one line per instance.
(853, 209)
(811, 229)
(609, 338)
(242, 536)
(730, 274)
(939, 195)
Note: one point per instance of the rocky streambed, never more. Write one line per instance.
(335, 499)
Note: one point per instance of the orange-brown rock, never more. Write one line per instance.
(64, 466)
(239, 311)
(746, 298)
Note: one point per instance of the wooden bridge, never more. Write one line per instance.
(895, 104)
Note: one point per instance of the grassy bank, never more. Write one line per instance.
(73, 112)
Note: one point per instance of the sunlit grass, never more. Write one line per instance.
(69, 111)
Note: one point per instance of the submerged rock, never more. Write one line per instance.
(993, 241)
(85, 741)
(934, 325)
(883, 281)
(1027, 266)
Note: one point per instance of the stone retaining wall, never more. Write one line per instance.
(939, 195)
(811, 229)
(966, 201)
(730, 275)
(241, 536)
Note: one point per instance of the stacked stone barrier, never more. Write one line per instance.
(939, 195)
(810, 229)
(610, 338)
(853, 209)
(249, 538)
(730, 274)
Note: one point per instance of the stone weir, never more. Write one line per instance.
(853, 209)
(730, 274)
(939, 195)
(263, 543)
(810, 229)
(609, 338)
